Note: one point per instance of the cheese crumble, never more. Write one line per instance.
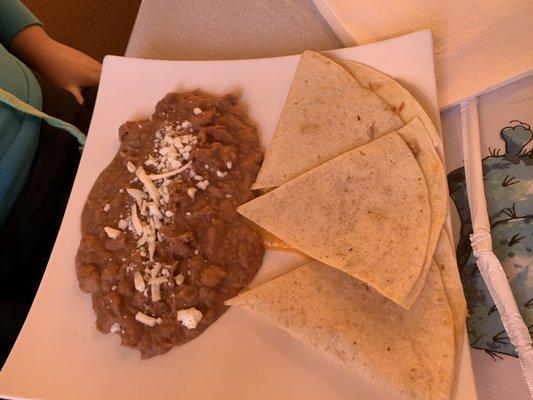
(115, 328)
(189, 317)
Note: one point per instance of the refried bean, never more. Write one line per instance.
(161, 236)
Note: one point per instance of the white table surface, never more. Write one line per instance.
(235, 29)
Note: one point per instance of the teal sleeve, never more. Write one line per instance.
(14, 17)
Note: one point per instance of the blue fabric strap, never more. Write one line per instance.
(12, 101)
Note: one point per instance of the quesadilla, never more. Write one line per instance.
(326, 113)
(416, 137)
(365, 212)
(396, 96)
(445, 260)
(409, 353)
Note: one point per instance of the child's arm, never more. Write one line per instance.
(63, 65)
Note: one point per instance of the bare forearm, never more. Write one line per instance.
(63, 65)
(32, 46)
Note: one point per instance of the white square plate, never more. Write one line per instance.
(59, 353)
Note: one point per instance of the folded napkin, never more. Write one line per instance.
(479, 45)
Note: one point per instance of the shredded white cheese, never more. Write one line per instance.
(155, 177)
(112, 232)
(138, 281)
(145, 319)
(148, 212)
(144, 206)
(148, 184)
(131, 168)
(155, 270)
(150, 162)
(179, 279)
(137, 194)
(154, 210)
(191, 192)
(202, 185)
(146, 232)
(135, 220)
(156, 292)
(158, 281)
(151, 250)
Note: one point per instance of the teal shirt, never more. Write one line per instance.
(19, 132)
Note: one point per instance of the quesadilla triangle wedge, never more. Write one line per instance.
(445, 260)
(409, 353)
(326, 113)
(365, 212)
(396, 96)
(416, 137)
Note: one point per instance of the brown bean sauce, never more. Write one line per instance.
(204, 251)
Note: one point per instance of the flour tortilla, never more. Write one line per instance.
(396, 96)
(326, 113)
(365, 212)
(445, 260)
(408, 108)
(417, 138)
(409, 353)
